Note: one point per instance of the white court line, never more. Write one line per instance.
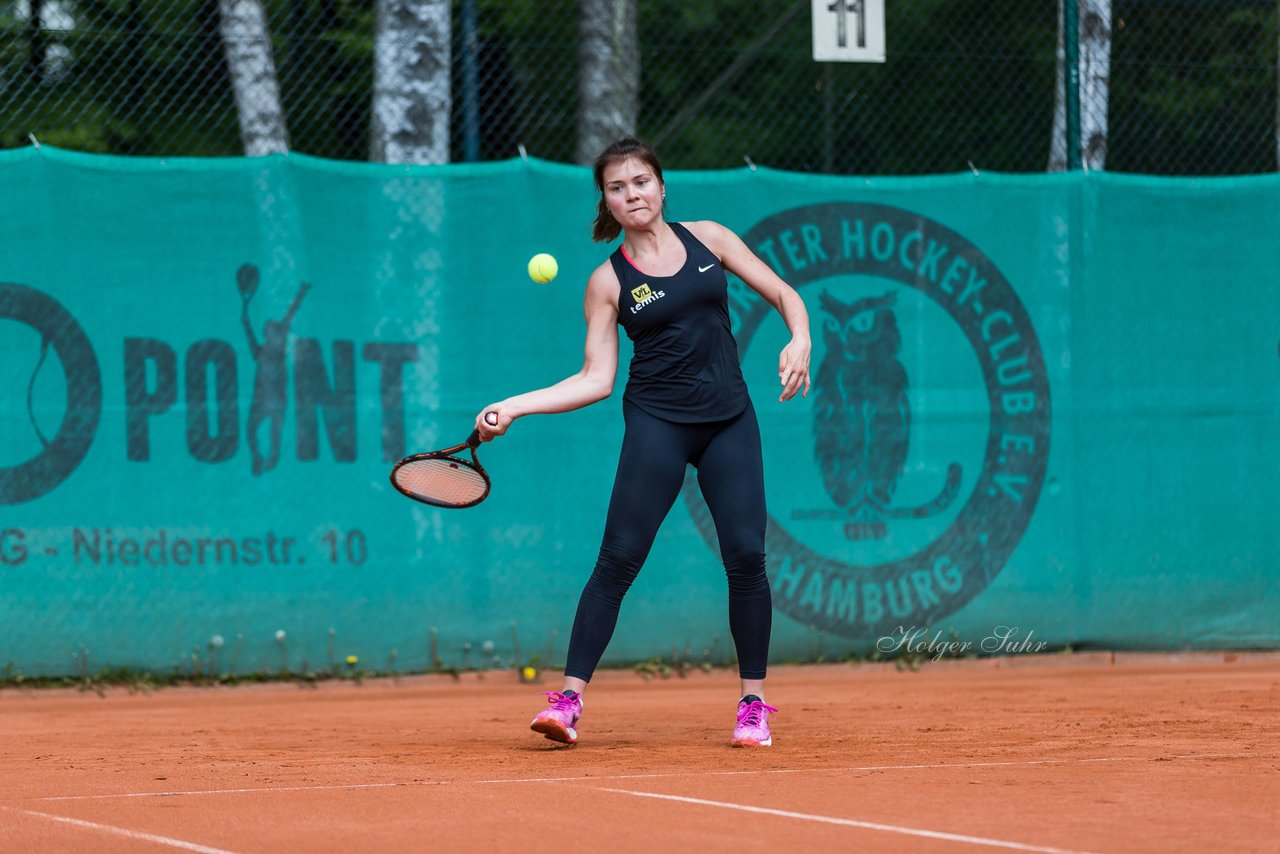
(849, 822)
(656, 776)
(500, 780)
(250, 790)
(129, 834)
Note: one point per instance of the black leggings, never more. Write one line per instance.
(650, 473)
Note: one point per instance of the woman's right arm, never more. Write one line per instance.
(599, 365)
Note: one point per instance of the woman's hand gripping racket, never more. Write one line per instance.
(442, 479)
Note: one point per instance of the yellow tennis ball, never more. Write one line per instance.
(543, 268)
(529, 674)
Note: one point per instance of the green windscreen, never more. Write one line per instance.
(1046, 411)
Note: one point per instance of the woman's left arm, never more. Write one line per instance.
(737, 258)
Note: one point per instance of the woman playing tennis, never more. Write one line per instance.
(685, 404)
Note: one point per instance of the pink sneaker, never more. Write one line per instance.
(753, 723)
(559, 722)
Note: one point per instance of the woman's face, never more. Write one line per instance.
(632, 193)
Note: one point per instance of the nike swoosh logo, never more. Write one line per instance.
(706, 268)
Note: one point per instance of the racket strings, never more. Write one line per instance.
(442, 481)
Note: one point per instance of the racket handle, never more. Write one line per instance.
(490, 418)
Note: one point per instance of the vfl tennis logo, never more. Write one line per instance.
(929, 419)
(203, 386)
(644, 295)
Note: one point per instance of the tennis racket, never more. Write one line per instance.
(443, 479)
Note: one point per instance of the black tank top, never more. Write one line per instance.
(685, 366)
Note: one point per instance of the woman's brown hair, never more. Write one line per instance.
(605, 227)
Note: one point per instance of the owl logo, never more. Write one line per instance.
(862, 417)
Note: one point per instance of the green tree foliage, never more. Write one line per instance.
(129, 82)
(528, 78)
(147, 77)
(1193, 87)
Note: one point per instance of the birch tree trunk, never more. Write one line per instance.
(608, 75)
(247, 46)
(411, 82)
(1058, 136)
(1095, 87)
(1095, 81)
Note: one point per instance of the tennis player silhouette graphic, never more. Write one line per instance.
(270, 380)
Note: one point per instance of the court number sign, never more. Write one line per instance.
(848, 30)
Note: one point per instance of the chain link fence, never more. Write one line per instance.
(1166, 86)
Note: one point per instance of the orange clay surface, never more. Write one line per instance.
(1091, 752)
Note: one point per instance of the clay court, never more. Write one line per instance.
(1090, 752)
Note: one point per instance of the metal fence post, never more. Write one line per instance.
(470, 84)
(1071, 37)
